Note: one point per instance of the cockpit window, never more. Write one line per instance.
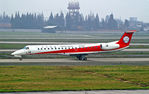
(26, 48)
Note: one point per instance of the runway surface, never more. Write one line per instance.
(73, 62)
(126, 50)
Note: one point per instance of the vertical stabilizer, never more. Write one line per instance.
(126, 38)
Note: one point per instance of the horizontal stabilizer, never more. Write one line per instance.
(131, 31)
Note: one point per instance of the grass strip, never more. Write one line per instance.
(12, 46)
(56, 78)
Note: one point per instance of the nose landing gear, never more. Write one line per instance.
(19, 57)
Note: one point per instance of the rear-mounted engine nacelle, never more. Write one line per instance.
(109, 46)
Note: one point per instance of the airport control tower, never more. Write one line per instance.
(73, 7)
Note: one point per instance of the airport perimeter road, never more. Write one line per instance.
(89, 92)
(72, 62)
(135, 50)
(56, 43)
(7, 50)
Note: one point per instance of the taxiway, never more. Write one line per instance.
(74, 62)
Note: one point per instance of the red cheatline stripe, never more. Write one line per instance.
(85, 49)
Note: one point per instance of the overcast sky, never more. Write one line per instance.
(120, 8)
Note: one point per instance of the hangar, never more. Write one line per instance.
(49, 29)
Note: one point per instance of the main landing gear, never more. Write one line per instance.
(82, 57)
(20, 59)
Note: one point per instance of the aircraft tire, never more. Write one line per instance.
(82, 57)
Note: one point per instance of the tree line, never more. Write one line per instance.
(72, 22)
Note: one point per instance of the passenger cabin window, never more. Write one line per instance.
(100, 46)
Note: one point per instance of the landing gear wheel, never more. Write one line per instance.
(85, 58)
(20, 59)
(82, 57)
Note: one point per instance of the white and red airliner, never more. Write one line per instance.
(78, 50)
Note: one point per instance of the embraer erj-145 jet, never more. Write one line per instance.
(78, 50)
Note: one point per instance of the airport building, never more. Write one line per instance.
(135, 24)
(73, 7)
(49, 29)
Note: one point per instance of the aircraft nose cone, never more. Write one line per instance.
(13, 53)
(18, 52)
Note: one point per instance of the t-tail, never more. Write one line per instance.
(126, 39)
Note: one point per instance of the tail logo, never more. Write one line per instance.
(126, 39)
